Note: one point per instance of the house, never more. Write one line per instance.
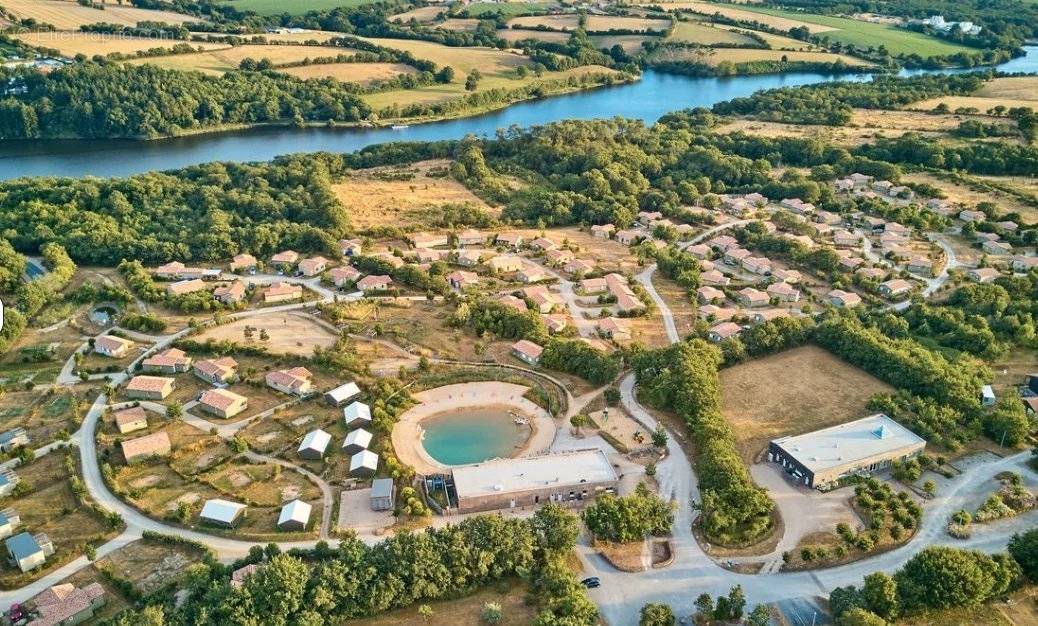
(615, 328)
(240, 575)
(987, 396)
(356, 414)
(357, 440)
(558, 258)
(9, 479)
(313, 266)
(131, 419)
(724, 243)
(383, 494)
(220, 371)
(314, 445)
(511, 239)
(543, 300)
(556, 322)
(871, 273)
(428, 240)
(149, 387)
(713, 277)
(350, 247)
(843, 299)
(920, 265)
(1008, 226)
(756, 265)
(627, 302)
(155, 444)
(592, 286)
(66, 604)
(505, 263)
(343, 275)
(578, 267)
(602, 231)
(297, 381)
(222, 403)
(460, 279)
(972, 216)
(342, 394)
(783, 292)
(766, 315)
(798, 206)
(996, 247)
(230, 294)
(184, 287)
(379, 282)
(828, 218)
(734, 256)
(786, 276)
(701, 251)
(543, 244)
(27, 552)
(243, 263)
(171, 361)
(294, 516)
(13, 438)
(531, 273)
(750, 297)
(850, 263)
(469, 258)
(527, 351)
(648, 217)
(112, 346)
(364, 463)
(512, 302)
(282, 292)
(845, 239)
(222, 513)
(286, 259)
(1025, 263)
(710, 312)
(471, 237)
(169, 271)
(708, 294)
(895, 288)
(722, 331)
(983, 274)
(630, 237)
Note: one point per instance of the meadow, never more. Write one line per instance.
(220, 61)
(277, 7)
(707, 35)
(73, 43)
(67, 15)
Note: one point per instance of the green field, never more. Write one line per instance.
(508, 9)
(697, 32)
(866, 34)
(277, 7)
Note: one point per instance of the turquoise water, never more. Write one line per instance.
(473, 435)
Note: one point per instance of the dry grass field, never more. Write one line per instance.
(467, 24)
(1013, 88)
(68, 15)
(73, 43)
(706, 34)
(781, 23)
(422, 15)
(463, 60)
(513, 35)
(220, 61)
(363, 73)
(982, 105)
(630, 43)
(557, 22)
(515, 612)
(958, 193)
(321, 36)
(790, 393)
(715, 56)
(595, 23)
(375, 202)
(290, 333)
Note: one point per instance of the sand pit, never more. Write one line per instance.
(290, 333)
(407, 434)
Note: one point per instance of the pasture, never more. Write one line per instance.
(791, 393)
(512, 35)
(630, 43)
(478, 9)
(363, 73)
(468, 24)
(277, 7)
(745, 15)
(68, 15)
(716, 56)
(220, 61)
(72, 43)
(422, 15)
(488, 61)
(706, 34)
(595, 23)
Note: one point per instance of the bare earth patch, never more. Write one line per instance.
(146, 481)
(290, 333)
(790, 393)
(238, 479)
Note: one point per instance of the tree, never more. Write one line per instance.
(659, 436)
(704, 605)
(629, 518)
(1024, 549)
(655, 614)
(880, 595)
(736, 602)
(425, 612)
(860, 617)
(174, 410)
(264, 335)
(578, 420)
(1007, 424)
(491, 613)
(942, 577)
(472, 80)
(555, 529)
(759, 616)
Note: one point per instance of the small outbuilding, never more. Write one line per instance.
(28, 551)
(383, 494)
(987, 395)
(222, 513)
(14, 438)
(356, 441)
(357, 414)
(314, 445)
(364, 463)
(343, 394)
(131, 419)
(294, 516)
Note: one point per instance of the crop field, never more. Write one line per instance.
(363, 73)
(321, 36)
(90, 44)
(277, 7)
(716, 56)
(556, 22)
(68, 15)
(595, 23)
(1016, 88)
(477, 9)
(705, 34)
(513, 35)
(778, 42)
(630, 43)
(790, 393)
(371, 200)
(220, 61)
(748, 15)
(421, 14)
(463, 60)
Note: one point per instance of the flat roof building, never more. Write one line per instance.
(821, 458)
(383, 493)
(534, 480)
(222, 512)
(294, 516)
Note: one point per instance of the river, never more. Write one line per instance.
(647, 99)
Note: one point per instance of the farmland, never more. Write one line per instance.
(276, 7)
(746, 15)
(595, 23)
(67, 15)
(790, 393)
(477, 9)
(748, 55)
(513, 35)
(463, 60)
(362, 73)
(422, 15)
(705, 34)
(220, 61)
(1010, 92)
(73, 43)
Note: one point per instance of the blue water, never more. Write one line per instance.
(647, 99)
(473, 435)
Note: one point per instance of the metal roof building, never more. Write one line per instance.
(343, 394)
(356, 441)
(314, 444)
(222, 512)
(357, 414)
(364, 463)
(821, 458)
(383, 493)
(295, 515)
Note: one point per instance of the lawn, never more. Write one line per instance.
(791, 393)
(277, 7)
(705, 34)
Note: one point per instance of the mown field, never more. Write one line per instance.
(727, 10)
(73, 43)
(705, 34)
(362, 73)
(220, 61)
(477, 9)
(68, 15)
(1017, 91)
